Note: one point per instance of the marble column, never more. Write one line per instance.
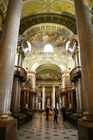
(53, 97)
(63, 80)
(34, 102)
(31, 101)
(79, 88)
(69, 98)
(60, 102)
(37, 102)
(43, 97)
(85, 35)
(16, 91)
(20, 58)
(8, 46)
(79, 95)
(15, 102)
(76, 57)
(63, 101)
(33, 80)
(27, 98)
(72, 99)
(16, 59)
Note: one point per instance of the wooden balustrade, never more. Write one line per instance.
(75, 74)
(20, 72)
(66, 90)
(30, 90)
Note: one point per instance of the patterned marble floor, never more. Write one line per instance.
(41, 129)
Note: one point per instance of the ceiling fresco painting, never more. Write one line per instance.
(48, 72)
(47, 27)
(42, 34)
(39, 40)
(48, 33)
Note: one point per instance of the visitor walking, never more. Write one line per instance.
(55, 114)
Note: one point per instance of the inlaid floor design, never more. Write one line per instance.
(41, 129)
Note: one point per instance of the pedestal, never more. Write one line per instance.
(8, 129)
(85, 130)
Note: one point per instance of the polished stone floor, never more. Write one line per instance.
(41, 129)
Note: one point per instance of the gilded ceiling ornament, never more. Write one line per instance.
(62, 6)
(48, 1)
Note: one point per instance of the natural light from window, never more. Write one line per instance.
(48, 48)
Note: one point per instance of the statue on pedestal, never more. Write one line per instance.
(48, 103)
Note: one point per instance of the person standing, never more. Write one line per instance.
(47, 112)
(64, 113)
(55, 114)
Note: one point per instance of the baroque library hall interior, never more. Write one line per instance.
(46, 69)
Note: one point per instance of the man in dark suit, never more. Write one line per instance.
(47, 112)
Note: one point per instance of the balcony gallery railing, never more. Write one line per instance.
(20, 72)
(30, 90)
(66, 90)
(75, 73)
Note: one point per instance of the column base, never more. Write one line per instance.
(8, 129)
(85, 130)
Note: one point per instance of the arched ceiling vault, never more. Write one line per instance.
(48, 72)
(41, 11)
(49, 66)
(63, 19)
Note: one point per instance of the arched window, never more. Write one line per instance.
(48, 48)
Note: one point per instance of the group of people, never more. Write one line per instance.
(55, 113)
